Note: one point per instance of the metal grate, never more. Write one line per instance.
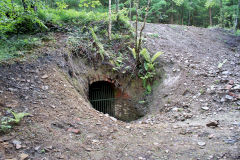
(101, 96)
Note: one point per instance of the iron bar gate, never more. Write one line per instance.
(101, 96)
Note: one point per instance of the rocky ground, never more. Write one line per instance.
(194, 112)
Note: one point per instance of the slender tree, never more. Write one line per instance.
(221, 14)
(130, 6)
(138, 41)
(117, 5)
(110, 21)
(237, 16)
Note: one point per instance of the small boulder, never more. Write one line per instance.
(213, 124)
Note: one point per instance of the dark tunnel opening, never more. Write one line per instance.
(102, 98)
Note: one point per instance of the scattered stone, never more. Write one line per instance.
(23, 156)
(185, 131)
(37, 148)
(230, 141)
(222, 99)
(238, 103)
(12, 90)
(47, 149)
(228, 87)
(73, 130)
(155, 144)
(113, 119)
(205, 108)
(17, 144)
(88, 149)
(226, 72)
(45, 76)
(45, 87)
(128, 127)
(237, 87)
(211, 136)
(176, 109)
(231, 82)
(192, 66)
(201, 143)
(213, 124)
(228, 97)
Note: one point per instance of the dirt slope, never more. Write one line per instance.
(194, 92)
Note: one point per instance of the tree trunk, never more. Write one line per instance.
(221, 14)
(117, 6)
(139, 42)
(210, 16)
(182, 15)
(136, 32)
(189, 18)
(110, 21)
(130, 13)
(237, 16)
(171, 20)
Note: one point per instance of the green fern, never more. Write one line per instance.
(145, 54)
(98, 43)
(133, 52)
(156, 55)
(18, 116)
(148, 71)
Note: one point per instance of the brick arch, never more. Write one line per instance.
(116, 83)
(104, 78)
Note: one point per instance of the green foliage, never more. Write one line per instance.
(17, 117)
(14, 19)
(70, 16)
(211, 3)
(187, 12)
(16, 47)
(7, 123)
(99, 45)
(89, 3)
(61, 5)
(134, 53)
(147, 72)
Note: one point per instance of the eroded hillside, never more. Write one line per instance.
(193, 112)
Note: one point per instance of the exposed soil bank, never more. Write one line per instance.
(194, 92)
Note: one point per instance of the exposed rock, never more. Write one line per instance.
(213, 124)
(17, 144)
(237, 87)
(205, 108)
(201, 143)
(23, 156)
(73, 130)
(228, 97)
(45, 76)
(226, 72)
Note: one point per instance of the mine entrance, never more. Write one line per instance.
(101, 96)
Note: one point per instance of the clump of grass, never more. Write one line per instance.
(70, 16)
(16, 47)
(8, 122)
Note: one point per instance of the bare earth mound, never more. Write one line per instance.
(194, 112)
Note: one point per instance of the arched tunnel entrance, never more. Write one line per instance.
(108, 99)
(101, 96)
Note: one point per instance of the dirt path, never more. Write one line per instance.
(194, 93)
